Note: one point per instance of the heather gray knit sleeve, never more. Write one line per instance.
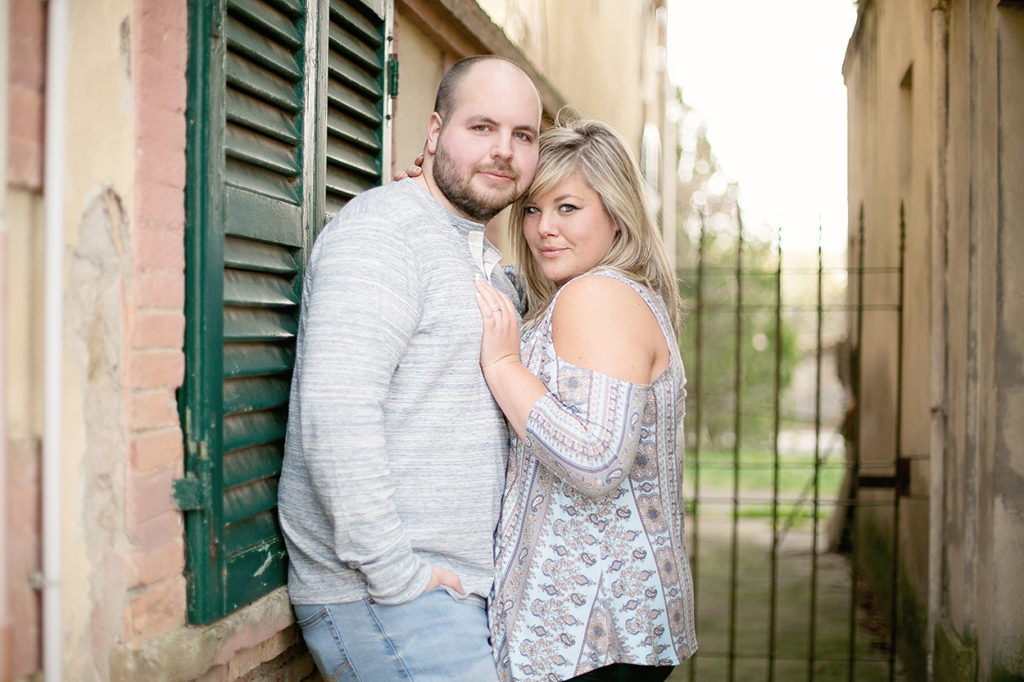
(361, 306)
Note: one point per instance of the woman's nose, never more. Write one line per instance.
(545, 225)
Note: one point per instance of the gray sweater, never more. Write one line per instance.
(395, 450)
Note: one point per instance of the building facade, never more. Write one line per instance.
(936, 170)
(167, 165)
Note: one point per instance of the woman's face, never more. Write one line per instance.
(568, 229)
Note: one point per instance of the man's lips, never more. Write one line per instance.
(498, 175)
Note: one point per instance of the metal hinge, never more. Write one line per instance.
(190, 494)
(193, 492)
(393, 75)
(900, 482)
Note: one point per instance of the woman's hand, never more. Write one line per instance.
(500, 343)
(412, 171)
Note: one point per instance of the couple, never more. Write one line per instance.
(418, 541)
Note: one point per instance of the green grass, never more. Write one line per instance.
(772, 603)
(714, 475)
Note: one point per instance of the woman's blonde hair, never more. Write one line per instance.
(605, 162)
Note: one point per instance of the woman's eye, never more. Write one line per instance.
(567, 208)
(531, 210)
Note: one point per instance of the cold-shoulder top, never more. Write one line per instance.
(591, 560)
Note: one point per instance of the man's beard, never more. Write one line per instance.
(479, 206)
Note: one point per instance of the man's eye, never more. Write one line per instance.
(525, 137)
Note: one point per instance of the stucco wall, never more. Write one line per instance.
(949, 144)
(597, 52)
(421, 65)
(887, 77)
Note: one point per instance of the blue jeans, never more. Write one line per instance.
(433, 638)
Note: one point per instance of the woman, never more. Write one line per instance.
(592, 572)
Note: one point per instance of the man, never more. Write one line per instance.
(395, 451)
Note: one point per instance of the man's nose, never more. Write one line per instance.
(502, 148)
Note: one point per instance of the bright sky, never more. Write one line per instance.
(767, 78)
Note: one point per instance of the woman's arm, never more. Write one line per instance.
(586, 428)
(514, 387)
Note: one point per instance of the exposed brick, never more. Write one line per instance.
(155, 450)
(158, 330)
(247, 660)
(159, 199)
(160, 13)
(160, 289)
(166, 158)
(25, 164)
(25, 610)
(158, 124)
(155, 409)
(28, 42)
(152, 535)
(156, 368)
(150, 494)
(160, 81)
(153, 565)
(158, 608)
(159, 249)
(26, 114)
(216, 674)
(294, 665)
(25, 139)
(24, 506)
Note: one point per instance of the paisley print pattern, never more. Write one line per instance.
(591, 560)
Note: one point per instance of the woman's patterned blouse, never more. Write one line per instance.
(591, 562)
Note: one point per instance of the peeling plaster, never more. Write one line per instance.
(99, 271)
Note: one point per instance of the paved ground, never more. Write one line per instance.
(826, 629)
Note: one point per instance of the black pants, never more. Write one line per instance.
(626, 672)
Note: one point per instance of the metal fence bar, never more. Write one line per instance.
(734, 553)
(897, 455)
(698, 421)
(816, 497)
(855, 437)
(776, 428)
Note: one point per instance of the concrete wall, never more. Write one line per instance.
(935, 122)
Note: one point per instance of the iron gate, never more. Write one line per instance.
(774, 478)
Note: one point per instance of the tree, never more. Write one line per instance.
(724, 263)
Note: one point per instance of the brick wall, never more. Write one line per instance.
(26, 84)
(27, 76)
(155, 362)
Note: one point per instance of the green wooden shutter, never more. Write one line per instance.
(251, 217)
(355, 102)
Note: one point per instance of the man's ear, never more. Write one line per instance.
(433, 132)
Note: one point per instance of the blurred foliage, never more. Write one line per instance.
(737, 265)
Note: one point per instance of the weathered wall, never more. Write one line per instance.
(887, 76)
(936, 117)
(123, 588)
(597, 52)
(1007, 625)
(22, 326)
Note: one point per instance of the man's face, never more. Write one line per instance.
(485, 153)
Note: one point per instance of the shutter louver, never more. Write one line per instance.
(355, 96)
(263, 227)
(254, 199)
